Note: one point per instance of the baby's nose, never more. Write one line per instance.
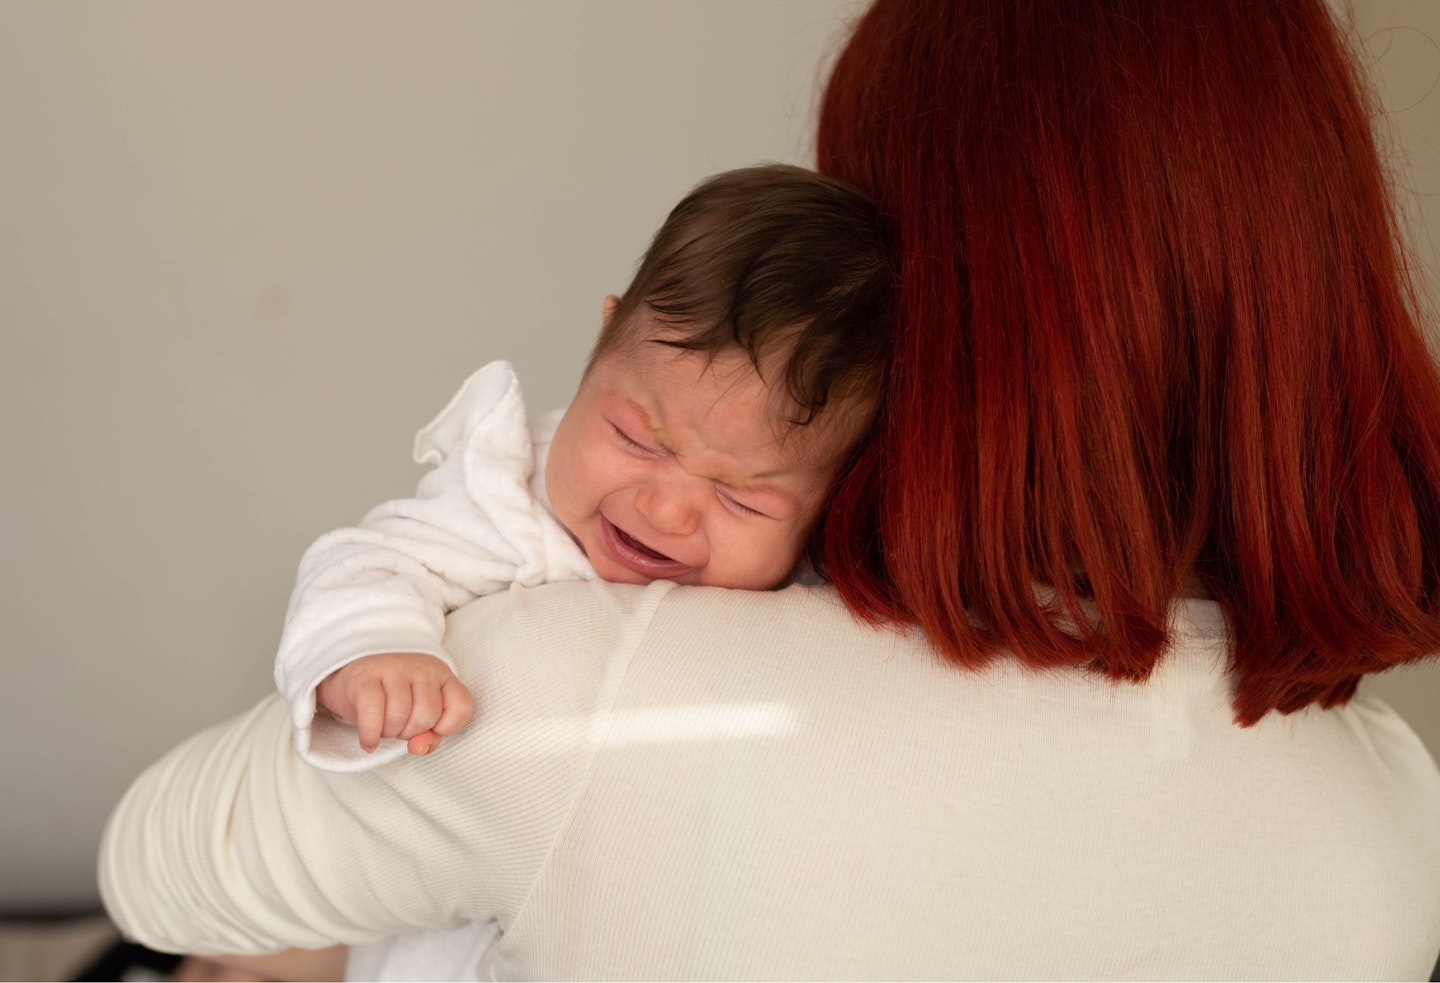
(669, 507)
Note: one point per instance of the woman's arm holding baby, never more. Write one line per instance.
(232, 844)
(229, 844)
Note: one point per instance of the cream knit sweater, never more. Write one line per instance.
(683, 783)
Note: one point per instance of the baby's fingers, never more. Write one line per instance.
(426, 705)
(368, 698)
(457, 709)
(398, 704)
(458, 706)
(423, 743)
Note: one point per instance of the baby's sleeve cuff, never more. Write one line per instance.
(331, 744)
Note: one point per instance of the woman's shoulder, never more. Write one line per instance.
(801, 645)
(776, 735)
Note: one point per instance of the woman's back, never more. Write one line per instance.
(806, 797)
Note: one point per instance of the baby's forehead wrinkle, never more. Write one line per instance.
(743, 468)
(793, 448)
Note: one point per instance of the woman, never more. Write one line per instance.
(1157, 395)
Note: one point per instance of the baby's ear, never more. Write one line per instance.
(611, 303)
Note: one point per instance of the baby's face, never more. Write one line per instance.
(669, 467)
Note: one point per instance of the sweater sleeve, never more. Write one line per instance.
(473, 527)
(230, 843)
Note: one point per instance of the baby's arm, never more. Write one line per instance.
(385, 586)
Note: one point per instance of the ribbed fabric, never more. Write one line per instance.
(691, 783)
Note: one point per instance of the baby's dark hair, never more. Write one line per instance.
(771, 256)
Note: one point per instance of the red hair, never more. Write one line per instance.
(1154, 324)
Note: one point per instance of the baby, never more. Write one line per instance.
(727, 390)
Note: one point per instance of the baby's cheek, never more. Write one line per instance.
(782, 554)
(565, 482)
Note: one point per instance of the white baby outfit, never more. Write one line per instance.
(478, 523)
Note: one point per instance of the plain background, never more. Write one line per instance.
(246, 250)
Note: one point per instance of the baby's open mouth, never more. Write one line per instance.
(632, 541)
(635, 555)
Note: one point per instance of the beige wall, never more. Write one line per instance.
(247, 249)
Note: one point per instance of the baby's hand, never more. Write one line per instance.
(407, 695)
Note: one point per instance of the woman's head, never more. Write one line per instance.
(1154, 326)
